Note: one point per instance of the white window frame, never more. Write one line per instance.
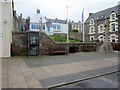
(114, 36)
(99, 31)
(92, 37)
(111, 27)
(93, 22)
(91, 29)
(113, 13)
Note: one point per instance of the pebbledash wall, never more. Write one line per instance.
(19, 44)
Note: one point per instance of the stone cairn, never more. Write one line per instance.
(106, 47)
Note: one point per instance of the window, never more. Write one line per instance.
(113, 16)
(35, 26)
(58, 26)
(92, 30)
(92, 22)
(32, 26)
(101, 39)
(74, 26)
(92, 38)
(54, 26)
(43, 27)
(48, 29)
(98, 18)
(101, 28)
(113, 38)
(112, 27)
(103, 16)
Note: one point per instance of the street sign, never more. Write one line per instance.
(1, 34)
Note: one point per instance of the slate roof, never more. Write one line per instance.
(56, 21)
(76, 23)
(103, 14)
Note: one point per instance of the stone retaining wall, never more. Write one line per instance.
(19, 44)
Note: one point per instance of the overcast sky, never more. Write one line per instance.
(58, 8)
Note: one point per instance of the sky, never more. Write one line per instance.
(58, 8)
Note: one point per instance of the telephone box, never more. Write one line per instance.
(33, 43)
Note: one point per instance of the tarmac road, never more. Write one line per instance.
(107, 81)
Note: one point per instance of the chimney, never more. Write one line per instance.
(90, 14)
(38, 11)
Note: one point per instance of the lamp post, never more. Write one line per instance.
(68, 27)
(83, 25)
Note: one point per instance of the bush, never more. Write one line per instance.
(63, 39)
(74, 30)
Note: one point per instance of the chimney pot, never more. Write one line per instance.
(38, 11)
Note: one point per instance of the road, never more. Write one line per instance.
(106, 81)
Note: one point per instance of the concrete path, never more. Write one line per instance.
(19, 73)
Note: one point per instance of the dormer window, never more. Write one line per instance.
(98, 18)
(113, 16)
(103, 17)
(92, 22)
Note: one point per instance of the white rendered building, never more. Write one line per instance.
(51, 26)
(6, 26)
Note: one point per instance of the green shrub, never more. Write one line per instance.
(63, 39)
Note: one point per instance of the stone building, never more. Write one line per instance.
(76, 26)
(95, 28)
(20, 24)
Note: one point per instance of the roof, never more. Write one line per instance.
(76, 23)
(103, 14)
(56, 21)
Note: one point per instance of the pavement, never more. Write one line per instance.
(45, 71)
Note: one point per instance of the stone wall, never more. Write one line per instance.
(46, 42)
(76, 35)
(19, 43)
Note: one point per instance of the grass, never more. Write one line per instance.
(63, 39)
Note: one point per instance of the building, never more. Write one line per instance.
(53, 26)
(35, 22)
(76, 26)
(20, 24)
(6, 27)
(95, 27)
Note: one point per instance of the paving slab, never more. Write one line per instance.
(63, 59)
